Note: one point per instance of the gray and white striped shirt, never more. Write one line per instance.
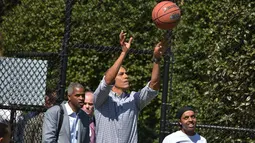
(116, 116)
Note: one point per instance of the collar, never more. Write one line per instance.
(123, 94)
(69, 110)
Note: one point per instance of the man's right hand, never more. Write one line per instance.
(125, 45)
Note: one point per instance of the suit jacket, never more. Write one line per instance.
(50, 126)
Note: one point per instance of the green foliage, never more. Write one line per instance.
(100, 24)
(214, 63)
(213, 46)
(34, 26)
(39, 26)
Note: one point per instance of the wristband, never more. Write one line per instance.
(156, 60)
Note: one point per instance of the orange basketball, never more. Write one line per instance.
(166, 15)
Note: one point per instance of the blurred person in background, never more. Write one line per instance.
(88, 107)
(33, 127)
(29, 124)
(5, 131)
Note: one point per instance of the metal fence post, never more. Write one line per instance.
(165, 86)
(64, 50)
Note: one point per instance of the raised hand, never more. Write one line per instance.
(125, 45)
(159, 50)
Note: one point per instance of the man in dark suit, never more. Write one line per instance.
(75, 126)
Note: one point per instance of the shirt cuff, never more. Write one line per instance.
(150, 89)
(104, 83)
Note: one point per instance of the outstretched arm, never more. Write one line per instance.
(113, 70)
(102, 92)
(155, 75)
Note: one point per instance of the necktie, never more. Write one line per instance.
(92, 130)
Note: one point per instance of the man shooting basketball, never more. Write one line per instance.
(116, 111)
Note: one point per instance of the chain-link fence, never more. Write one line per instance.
(48, 44)
(25, 80)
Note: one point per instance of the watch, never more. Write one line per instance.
(156, 60)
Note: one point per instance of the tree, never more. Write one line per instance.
(213, 48)
(214, 61)
(38, 26)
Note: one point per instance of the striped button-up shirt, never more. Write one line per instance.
(116, 116)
